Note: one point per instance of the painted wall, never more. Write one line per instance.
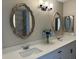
(42, 21)
(69, 8)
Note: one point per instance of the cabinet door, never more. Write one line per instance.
(72, 50)
(69, 51)
(65, 53)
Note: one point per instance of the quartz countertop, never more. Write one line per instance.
(45, 48)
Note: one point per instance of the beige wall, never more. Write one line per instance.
(41, 21)
(69, 8)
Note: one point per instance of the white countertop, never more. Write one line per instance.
(46, 48)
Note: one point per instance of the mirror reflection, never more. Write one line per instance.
(69, 23)
(57, 22)
(22, 20)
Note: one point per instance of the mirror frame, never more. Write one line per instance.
(11, 19)
(61, 26)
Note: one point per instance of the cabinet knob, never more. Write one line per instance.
(71, 51)
(59, 51)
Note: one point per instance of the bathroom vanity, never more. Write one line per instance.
(57, 49)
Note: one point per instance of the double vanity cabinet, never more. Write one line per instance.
(66, 52)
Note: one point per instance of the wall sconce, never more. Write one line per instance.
(45, 6)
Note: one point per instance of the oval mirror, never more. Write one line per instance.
(69, 23)
(22, 20)
(57, 25)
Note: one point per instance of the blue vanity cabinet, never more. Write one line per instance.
(66, 52)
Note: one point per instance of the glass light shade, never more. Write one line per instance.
(50, 5)
(46, 3)
(41, 2)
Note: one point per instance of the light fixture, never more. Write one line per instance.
(45, 5)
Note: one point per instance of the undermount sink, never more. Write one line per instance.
(29, 52)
